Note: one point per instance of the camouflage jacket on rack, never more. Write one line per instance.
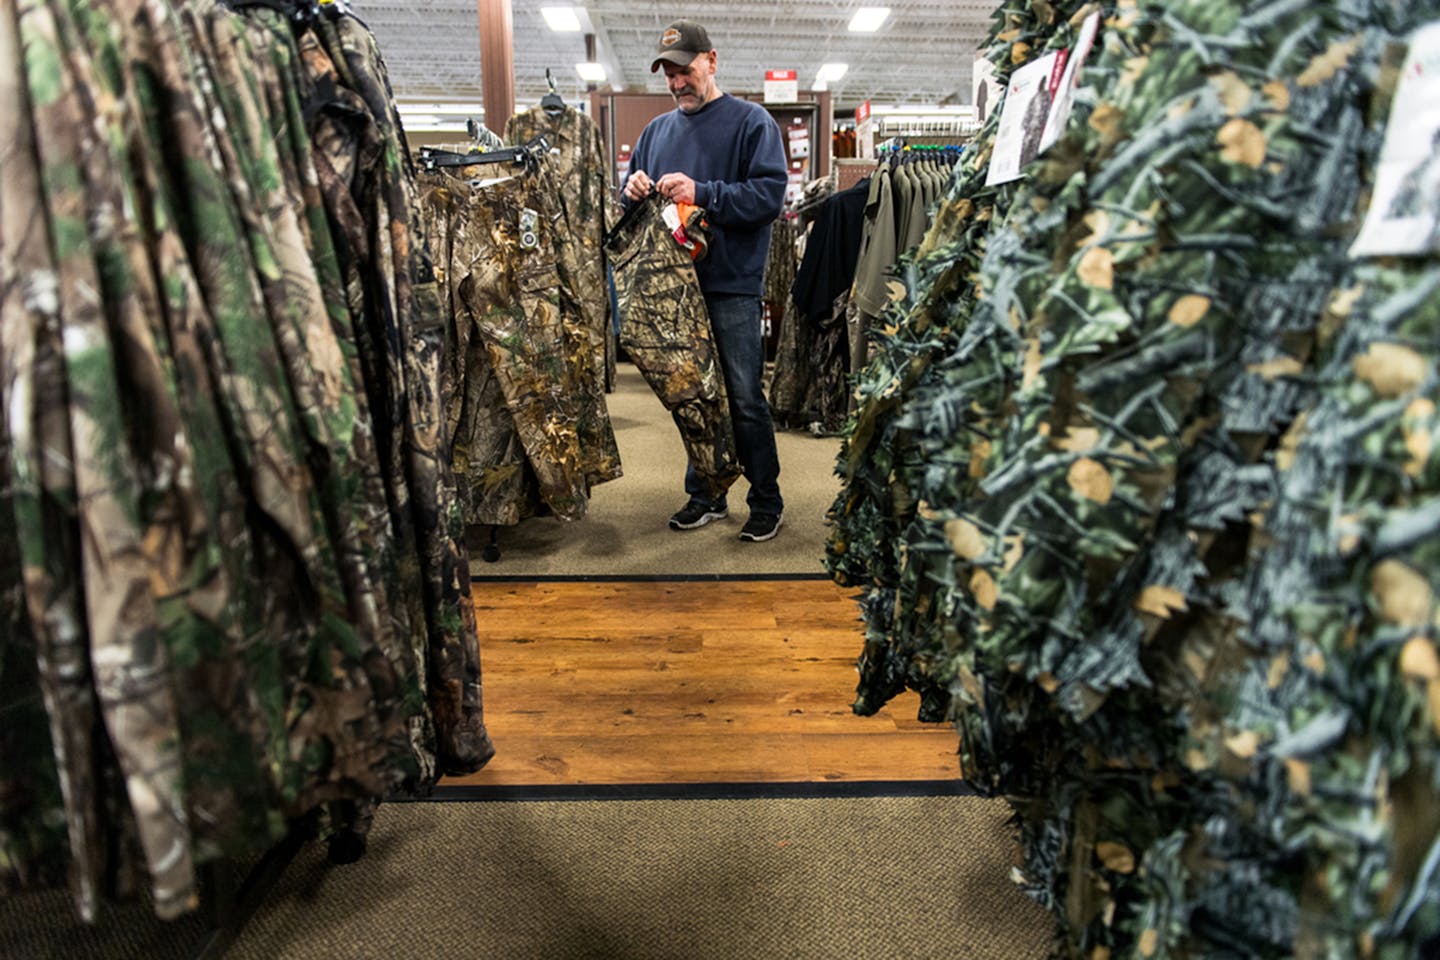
(226, 647)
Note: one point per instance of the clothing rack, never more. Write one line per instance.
(435, 158)
(229, 907)
(956, 128)
(900, 151)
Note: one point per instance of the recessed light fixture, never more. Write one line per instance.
(591, 72)
(561, 19)
(869, 19)
(830, 72)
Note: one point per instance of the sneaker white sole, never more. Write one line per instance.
(750, 538)
(707, 518)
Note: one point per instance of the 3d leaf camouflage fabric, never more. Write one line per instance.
(1142, 493)
(207, 624)
(665, 330)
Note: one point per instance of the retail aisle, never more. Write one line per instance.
(688, 682)
(625, 532)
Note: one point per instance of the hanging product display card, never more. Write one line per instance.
(1404, 215)
(1022, 118)
(1064, 94)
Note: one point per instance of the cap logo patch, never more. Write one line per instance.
(671, 37)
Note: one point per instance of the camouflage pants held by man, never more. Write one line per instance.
(665, 329)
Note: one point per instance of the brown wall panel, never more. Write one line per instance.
(623, 115)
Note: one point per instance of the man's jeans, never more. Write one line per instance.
(735, 321)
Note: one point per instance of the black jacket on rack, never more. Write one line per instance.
(830, 253)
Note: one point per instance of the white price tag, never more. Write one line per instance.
(1404, 215)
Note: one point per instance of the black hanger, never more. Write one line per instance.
(301, 12)
(434, 158)
(552, 102)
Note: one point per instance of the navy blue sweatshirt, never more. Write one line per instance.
(731, 149)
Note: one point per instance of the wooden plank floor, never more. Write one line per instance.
(687, 682)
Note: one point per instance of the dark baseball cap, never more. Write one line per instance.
(680, 43)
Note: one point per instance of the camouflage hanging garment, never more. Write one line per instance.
(347, 147)
(234, 739)
(665, 330)
(371, 704)
(47, 571)
(1181, 611)
(478, 421)
(158, 192)
(576, 272)
(790, 379)
(788, 372)
(121, 526)
(828, 393)
(519, 377)
(586, 199)
(407, 318)
(282, 83)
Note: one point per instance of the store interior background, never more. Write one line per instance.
(914, 68)
(680, 771)
(775, 660)
(906, 69)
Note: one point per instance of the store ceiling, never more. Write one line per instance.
(921, 56)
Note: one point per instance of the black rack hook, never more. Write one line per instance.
(552, 102)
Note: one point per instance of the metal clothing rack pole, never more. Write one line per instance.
(229, 907)
(490, 553)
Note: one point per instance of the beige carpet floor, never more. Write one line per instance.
(750, 879)
(625, 532)
(890, 878)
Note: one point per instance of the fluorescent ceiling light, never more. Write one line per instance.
(830, 72)
(561, 19)
(869, 19)
(591, 72)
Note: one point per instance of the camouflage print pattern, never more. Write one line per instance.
(117, 551)
(347, 147)
(509, 328)
(1142, 491)
(32, 809)
(665, 330)
(584, 349)
(587, 200)
(788, 371)
(228, 644)
(828, 390)
(487, 457)
(41, 491)
(407, 320)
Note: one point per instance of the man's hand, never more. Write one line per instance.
(639, 185)
(676, 187)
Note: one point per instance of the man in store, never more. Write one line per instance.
(725, 155)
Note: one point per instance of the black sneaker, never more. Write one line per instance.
(761, 526)
(695, 515)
